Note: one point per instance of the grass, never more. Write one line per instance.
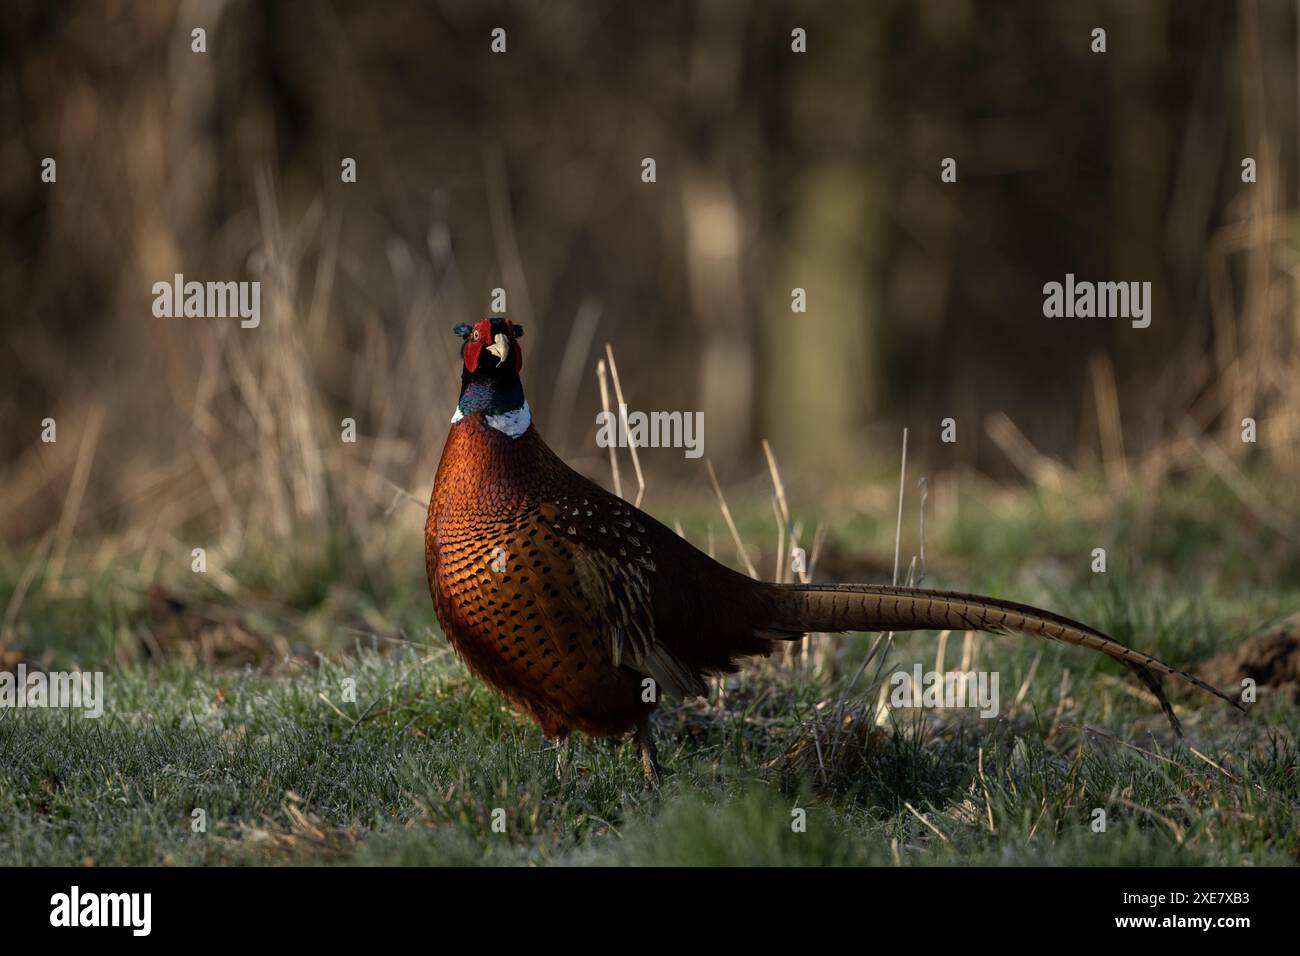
(285, 768)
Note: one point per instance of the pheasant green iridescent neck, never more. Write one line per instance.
(499, 399)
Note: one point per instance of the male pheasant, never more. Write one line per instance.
(567, 599)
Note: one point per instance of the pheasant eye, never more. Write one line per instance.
(474, 337)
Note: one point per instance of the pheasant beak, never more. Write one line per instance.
(500, 347)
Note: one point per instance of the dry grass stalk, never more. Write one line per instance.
(76, 492)
(1031, 463)
(939, 652)
(898, 528)
(1106, 397)
(24, 582)
(622, 417)
(779, 571)
(601, 377)
(794, 651)
(924, 485)
(984, 785)
(920, 816)
(1029, 679)
(731, 524)
(1284, 524)
(887, 638)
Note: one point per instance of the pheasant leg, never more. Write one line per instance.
(645, 740)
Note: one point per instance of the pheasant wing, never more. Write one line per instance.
(615, 568)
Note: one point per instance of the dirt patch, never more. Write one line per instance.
(196, 633)
(1270, 658)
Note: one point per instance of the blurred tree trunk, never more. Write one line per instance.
(822, 367)
(714, 226)
(822, 363)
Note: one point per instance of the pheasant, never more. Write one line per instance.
(582, 610)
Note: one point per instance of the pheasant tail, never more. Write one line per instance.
(865, 607)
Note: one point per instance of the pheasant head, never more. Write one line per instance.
(489, 379)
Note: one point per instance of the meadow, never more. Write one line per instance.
(229, 706)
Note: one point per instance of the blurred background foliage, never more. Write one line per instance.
(775, 170)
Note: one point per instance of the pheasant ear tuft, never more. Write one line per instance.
(462, 330)
(519, 330)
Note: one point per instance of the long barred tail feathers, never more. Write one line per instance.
(802, 608)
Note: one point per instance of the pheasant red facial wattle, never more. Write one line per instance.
(481, 334)
(572, 603)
